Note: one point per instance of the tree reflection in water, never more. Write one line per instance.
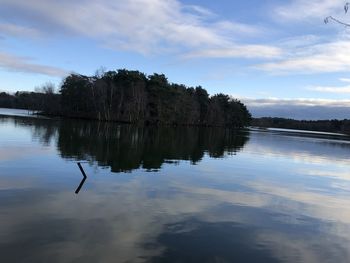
(124, 147)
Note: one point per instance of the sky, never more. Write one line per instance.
(278, 57)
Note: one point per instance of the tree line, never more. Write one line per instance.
(336, 126)
(132, 97)
(33, 101)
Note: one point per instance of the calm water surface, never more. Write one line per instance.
(170, 194)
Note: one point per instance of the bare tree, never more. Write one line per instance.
(328, 18)
(47, 88)
(100, 72)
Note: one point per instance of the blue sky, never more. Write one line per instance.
(271, 54)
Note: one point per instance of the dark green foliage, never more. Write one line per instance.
(78, 98)
(46, 102)
(6, 100)
(342, 126)
(131, 97)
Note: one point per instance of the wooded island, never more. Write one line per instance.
(132, 97)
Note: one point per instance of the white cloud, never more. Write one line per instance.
(331, 89)
(244, 51)
(344, 79)
(238, 28)
(300, 10)
(144, 26)
(25, 64)
(200, 10)
(317, 58)
(18, 31)
(153, 27)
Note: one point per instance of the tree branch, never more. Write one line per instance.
(326, 20)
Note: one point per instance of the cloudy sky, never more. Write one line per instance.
(277, 56)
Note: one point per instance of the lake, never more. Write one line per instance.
(170, 194)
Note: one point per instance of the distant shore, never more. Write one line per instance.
(332, 126)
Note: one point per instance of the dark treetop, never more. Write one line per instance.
(130, 96)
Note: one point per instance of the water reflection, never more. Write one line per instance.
(125, 147)
(273, 198)
(300, 147)
(201, 241)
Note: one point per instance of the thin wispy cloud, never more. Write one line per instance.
(18, 31)
(200, 10)
(243, 51)
(330, 89)
(344, 79)
(27, 65)
(300, 41)
(333, 89)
